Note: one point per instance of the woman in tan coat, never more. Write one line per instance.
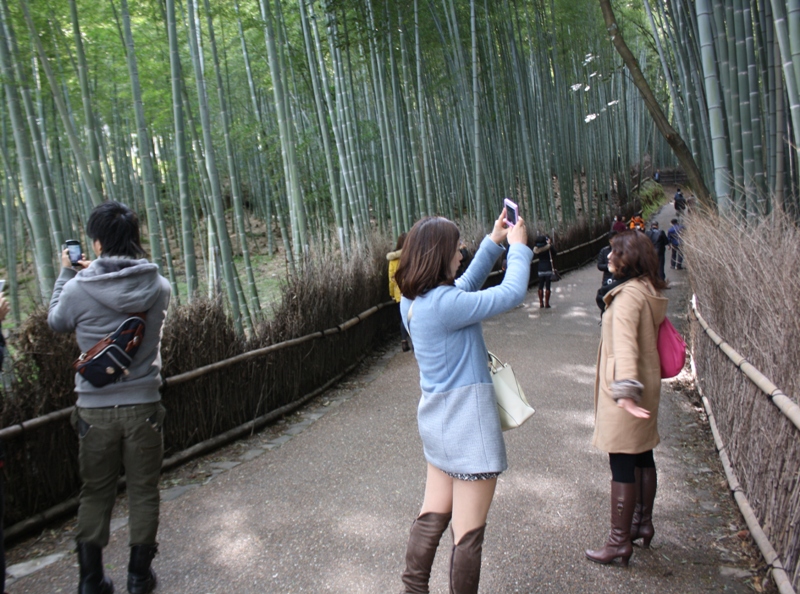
(627, 390)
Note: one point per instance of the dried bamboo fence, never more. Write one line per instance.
(756, 428)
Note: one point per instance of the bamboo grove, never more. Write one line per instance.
(323, 119)
(732, 68)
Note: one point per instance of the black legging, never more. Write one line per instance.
(624, 465)
(544, 280)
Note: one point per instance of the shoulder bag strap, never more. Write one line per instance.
(408, 324)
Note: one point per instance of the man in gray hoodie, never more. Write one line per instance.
(118, 424)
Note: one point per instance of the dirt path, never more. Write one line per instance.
(323, 502)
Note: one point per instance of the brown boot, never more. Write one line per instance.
(637, 511)
(547, 299)
(465, 562)
(623, 501)
(642, 525)
(541, 297)
(422, 543)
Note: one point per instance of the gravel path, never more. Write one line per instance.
(323, 502)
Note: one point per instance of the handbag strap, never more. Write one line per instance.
(408, 323)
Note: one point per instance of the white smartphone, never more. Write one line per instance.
(512, 212)
(2, 285)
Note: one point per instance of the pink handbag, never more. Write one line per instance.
(671, 350)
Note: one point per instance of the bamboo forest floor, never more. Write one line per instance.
(322, 502)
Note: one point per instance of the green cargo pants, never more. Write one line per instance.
(111, 438)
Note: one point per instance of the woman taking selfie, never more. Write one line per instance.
(627, 390)
(457, 413)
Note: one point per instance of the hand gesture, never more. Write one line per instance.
(631, 407)
(518, 233)
(500, 231)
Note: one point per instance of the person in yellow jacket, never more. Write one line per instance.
(394, 290)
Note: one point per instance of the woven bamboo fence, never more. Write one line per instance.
(743, 272)
(758, 427)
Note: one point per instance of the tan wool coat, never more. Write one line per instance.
(634, 311)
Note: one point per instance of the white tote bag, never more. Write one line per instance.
(511, 402)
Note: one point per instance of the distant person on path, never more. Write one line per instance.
(119, 424)
(674, 239)
(602, 261)
(637, 222)
(627, 391)
(659, 239)
(394, 290)
(619, 224)
(545, 251)
(680, 203)
(466, 258)
(657, 176)
(457, 414)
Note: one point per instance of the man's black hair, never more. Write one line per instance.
(674, 221)
(116, 227)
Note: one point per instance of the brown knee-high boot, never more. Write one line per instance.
(547, 298)
(642, 523)
(637, 511)
(465, 562)
(423, 540)
(541, 297)
(623, 501)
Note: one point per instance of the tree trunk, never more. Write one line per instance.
(672, 137)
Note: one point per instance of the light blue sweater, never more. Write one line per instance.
(457, 413)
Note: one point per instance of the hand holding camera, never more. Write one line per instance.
(518, 233)
(72, 256)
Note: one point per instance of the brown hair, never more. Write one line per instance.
(425, 262)
(633, 255)
(401, 239)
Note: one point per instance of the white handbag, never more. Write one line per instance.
(511, 402)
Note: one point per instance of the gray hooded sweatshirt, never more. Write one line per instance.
(94, 302)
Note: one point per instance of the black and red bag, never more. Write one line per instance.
(108, 360)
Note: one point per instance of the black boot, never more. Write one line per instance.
(92, 581)
(141, 577)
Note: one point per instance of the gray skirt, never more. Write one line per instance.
(460, 430)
